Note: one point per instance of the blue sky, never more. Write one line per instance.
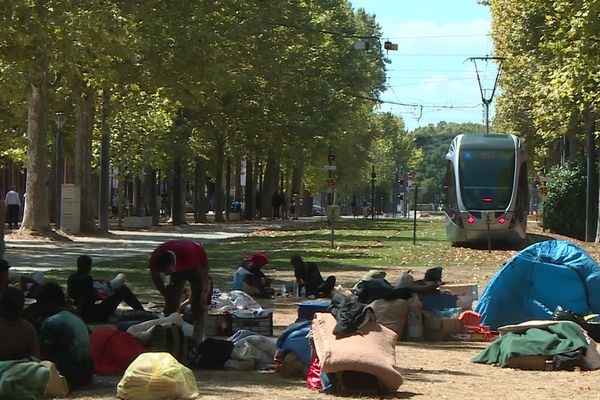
(434, 39)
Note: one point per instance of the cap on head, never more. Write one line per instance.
(258, 259)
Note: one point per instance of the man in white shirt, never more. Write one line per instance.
(13, 208)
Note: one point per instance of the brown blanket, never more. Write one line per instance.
(371, 351)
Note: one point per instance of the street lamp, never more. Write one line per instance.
(373, 176)
(59, 118)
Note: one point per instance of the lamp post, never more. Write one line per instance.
(373, 176)
(59, 118)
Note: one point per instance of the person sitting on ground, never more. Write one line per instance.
(64, 338)
(308, 276)
(249, 277)
(93, 304)
(18, 338)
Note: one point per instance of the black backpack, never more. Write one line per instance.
(169, 338)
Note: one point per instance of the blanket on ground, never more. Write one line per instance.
(563, 337)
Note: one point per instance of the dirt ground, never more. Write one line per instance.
(430, 370)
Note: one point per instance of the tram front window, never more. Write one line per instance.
(486, 178)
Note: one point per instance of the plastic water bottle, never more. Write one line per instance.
(415, 320)
(283, 291)
(295, 290)
(303, 291)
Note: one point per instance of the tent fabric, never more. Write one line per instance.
(538, 279)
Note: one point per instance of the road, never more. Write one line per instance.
(26, 253)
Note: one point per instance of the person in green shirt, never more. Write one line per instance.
(64, 338)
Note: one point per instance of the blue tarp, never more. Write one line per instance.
(538, 279)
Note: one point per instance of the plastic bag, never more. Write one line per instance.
(157, 376)
(405, 280)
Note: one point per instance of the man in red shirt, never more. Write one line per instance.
(183, 260)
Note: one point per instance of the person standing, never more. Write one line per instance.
(354, 207)
(183, 260)
(276, 203)
(13, 208)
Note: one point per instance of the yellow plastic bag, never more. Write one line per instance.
(157, 376)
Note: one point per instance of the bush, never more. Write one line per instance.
(564, 209)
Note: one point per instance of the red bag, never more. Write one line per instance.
(313, 378)
(113, 351)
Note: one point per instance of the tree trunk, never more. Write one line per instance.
(178, 215)
(200, 190)
(269, 186)
(298, 175)
(228, 189)
(249, 202)
(151, 195)
(257, 186)
(105, 190)
(307, 203)
(138, 197)
(36, 204)
(591, 217)
(236, 177)
(83, 157)
(219, 158)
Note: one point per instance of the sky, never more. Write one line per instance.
(435, 38)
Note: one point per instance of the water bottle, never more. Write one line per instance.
(415, 319)
(415, 329)
(283, 291)
(303, 291)
(295, 290)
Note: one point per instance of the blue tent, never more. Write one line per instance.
(538, 279)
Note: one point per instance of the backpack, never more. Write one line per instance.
(113, 351)
(169, 338)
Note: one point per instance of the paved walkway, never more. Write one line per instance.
(31, 254)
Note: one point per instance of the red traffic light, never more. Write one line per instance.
(331, 157)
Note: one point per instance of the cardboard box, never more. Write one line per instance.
(466, 294)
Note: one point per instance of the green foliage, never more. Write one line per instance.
(550, 71)
(564, 208)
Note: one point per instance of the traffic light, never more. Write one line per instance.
(331, 157)
(544, 170)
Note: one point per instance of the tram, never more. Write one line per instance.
(486, 189)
